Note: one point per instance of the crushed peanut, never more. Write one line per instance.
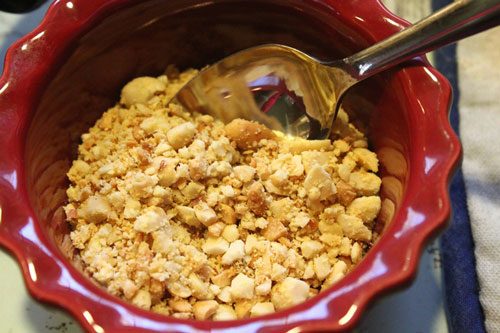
(181, 214)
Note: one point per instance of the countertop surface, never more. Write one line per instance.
(414, 310)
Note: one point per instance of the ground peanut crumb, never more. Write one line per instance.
(178, 213)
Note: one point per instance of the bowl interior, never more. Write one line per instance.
(146, 37)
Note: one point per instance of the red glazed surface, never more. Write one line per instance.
(61, 77)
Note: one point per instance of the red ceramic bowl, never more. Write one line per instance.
(62, 76)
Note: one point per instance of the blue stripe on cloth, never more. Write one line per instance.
(463, 308)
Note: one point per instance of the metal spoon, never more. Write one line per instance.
(292, 92)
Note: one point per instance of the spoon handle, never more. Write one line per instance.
(458, 20)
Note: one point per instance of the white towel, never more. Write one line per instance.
(479, 107)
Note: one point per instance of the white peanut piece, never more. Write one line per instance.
(187, 215)
(205, 214)
(320, 182)
(181, 135)
(153, 219)
(235, 252)
(225, 312)
(140, 90)
(215, 246)
(260, 309)
(96, 209)
(203, 310)
(242, 287)
(289, 292)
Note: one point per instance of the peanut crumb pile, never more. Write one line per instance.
(181, 214)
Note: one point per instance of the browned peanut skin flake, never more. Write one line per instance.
(180, 214)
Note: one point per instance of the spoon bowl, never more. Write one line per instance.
(292, 92)
(261, 82)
